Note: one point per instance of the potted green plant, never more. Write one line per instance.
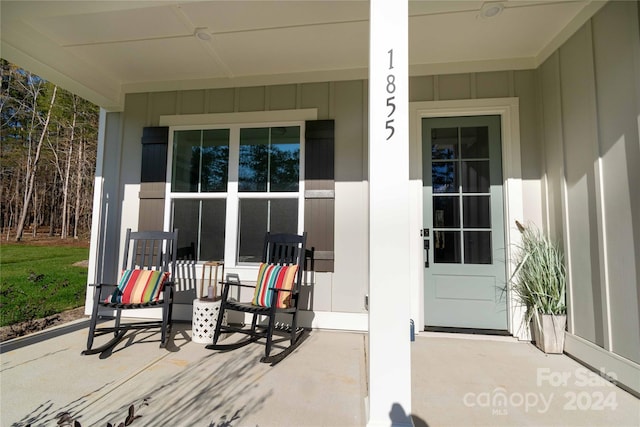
(539, 282)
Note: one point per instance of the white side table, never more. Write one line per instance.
(205, 316)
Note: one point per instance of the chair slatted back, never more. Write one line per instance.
(286, 249)
(153, 250)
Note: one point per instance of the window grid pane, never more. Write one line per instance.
(215, 160)
(453, 179)
(201, 225)
(254, 159)
(268, 161)
(257, 216)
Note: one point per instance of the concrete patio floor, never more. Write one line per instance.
(458, 380)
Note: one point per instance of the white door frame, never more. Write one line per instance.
(509, 111)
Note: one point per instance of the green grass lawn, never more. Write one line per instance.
(38, 281)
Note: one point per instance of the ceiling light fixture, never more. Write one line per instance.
(491, 9)
(202, 34)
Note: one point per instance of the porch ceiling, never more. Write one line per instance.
(102, 50)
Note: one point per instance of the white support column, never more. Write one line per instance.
(95, 264)
(389, 286)
(105, 222)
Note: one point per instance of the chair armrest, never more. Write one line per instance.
(99, 285)
(236, 284)
(283, 290)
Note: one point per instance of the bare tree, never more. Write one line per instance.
(32, 166)
(79, 179)
(38, 186)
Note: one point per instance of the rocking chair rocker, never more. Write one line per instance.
(276, 292)
(147, 281)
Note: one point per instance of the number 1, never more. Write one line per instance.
(391, 59)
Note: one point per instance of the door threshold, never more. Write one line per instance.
(469, 331)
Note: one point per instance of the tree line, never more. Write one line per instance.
(48, 141)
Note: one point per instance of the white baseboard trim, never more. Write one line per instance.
(358, 322)
(339, 321)
(625, 372)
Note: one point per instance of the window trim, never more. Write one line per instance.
(233, 122)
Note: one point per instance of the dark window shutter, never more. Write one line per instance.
(320, 191)
(155, 141)
(153, 174)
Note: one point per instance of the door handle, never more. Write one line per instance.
(426, 249)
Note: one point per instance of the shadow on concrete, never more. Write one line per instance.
(151, 335)
(216, 390)
(400, 418)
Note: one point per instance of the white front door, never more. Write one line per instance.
(464, 240)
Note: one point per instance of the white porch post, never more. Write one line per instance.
(389, 290)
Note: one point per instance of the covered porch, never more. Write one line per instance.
(562, 76)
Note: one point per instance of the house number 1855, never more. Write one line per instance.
(391, 88)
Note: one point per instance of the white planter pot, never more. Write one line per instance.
(548, 332)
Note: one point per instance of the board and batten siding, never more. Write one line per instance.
(333, 186)
(346, 104)
(590, 103)
(521, 84)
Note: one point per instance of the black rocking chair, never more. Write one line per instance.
(147, 281)
(282, 261)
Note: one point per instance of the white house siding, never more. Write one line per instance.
(346, 102)
(590, 96)
(341, 291)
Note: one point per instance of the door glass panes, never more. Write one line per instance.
(444, 143)
(475, 176)
(461, 199)
(446, 247)
(477, 247)
(474, 142)
(446, 211)
(445, 176)
(269, 159)
(257, 216)
(200, 160)
(201, 225)
(476, 212)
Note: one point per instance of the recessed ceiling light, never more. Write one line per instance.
(491, 9)
(202, 34)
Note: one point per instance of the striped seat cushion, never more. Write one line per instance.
(274, 276)
(138, 287)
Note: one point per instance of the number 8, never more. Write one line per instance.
(391, 85)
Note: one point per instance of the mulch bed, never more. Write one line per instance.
(29, 327)
(45, 240)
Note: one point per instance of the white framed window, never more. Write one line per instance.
(229, 183)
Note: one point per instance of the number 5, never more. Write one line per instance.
(388, 126)
(391, 104)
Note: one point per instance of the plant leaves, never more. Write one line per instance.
(64, 418)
